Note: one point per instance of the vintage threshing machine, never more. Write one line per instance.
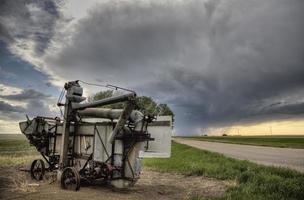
(92, 142)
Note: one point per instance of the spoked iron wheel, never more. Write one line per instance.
(37, 169)
(70, 179)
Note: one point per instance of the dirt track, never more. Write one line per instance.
(283, 157)
(152, 185)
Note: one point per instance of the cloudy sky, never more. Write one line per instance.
(221, 65)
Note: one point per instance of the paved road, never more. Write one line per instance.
(285, 157)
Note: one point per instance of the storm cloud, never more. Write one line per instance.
(26, 94)
(7, 108)
(216, 63)
(28, 24)
(25, 102)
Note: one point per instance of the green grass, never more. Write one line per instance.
(254, 181)
(272, 141)
(15, 150)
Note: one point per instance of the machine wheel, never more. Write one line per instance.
(37, 169)
(70, 179)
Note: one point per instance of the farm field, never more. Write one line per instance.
(16, 153)
(15, 150)
(189, 174)
(271, 141)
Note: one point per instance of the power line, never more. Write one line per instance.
(112, 87)
(94, 84)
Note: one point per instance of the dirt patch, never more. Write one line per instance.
(15, 184)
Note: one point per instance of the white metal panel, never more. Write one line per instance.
(102, 149)
(161, 131)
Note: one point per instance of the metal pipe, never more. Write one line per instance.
(100, 113)
(121, 121)
(103, 102)
(108, 113)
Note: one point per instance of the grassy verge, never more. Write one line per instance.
(15, 150)
(272, 141)
(254, 181)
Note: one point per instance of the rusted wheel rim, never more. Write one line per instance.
(70, 179)
(37, 169)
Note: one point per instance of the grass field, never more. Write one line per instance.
(253, 181)
(272, 141)
(15, 150)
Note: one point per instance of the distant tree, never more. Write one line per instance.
(106, 94)
(145, 104)
(101, 95)
(164, 109)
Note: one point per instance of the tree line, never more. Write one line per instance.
(144, 104)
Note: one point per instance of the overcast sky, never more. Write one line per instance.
(215, 63)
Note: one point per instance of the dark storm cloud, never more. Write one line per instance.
(215, 62)
(11, 112)
(38, 107)
(28, 20)
(292, 109)
(132, 37)
(7, 108)
(34, 103)
(26, 94)
(4, 34)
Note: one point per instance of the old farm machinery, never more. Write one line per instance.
(92, 142)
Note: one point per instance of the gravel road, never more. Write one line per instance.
(284, 157)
